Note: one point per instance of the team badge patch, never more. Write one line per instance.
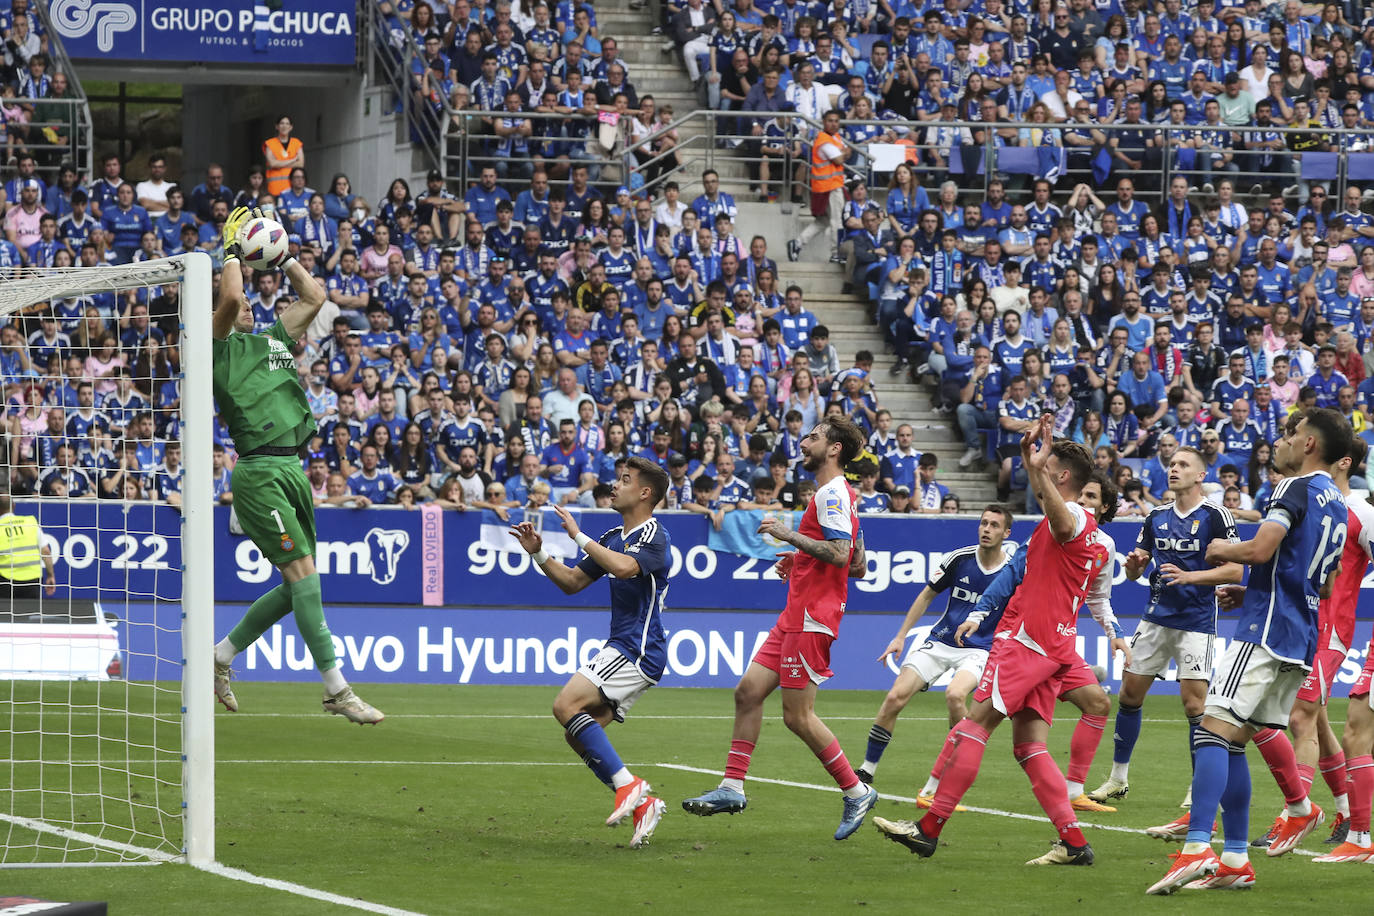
(287, 544)
(1196, 522)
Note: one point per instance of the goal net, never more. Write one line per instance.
(106, 697)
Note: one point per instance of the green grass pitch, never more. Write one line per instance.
(467, 800)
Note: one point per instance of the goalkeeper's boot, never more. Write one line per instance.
(719, 800)
(855, 809)
(647, 816)
(627, 799)
(352, 707)
(223, 692)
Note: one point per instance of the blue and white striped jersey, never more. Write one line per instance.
(637, 603)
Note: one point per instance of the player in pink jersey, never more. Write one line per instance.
(1027, 665)
(1358, 740)
(796, 655)
(1314, 745)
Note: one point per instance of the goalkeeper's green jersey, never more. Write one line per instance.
(258, 392)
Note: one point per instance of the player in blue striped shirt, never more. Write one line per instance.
(636, 555)
(1292, 560)
(965, 573)
(1179, 624)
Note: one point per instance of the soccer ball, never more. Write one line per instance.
(263, 243)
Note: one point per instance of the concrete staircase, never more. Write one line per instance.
(662, 75)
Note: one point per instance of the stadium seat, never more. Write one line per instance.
(865, 44)
(1320, 166)
(1018, 160)
(1359, 167)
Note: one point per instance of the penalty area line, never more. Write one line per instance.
(997, 812)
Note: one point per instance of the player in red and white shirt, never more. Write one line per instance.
(1026, 667)
(796, 654)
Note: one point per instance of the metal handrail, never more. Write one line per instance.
(83, 145)
(394, 66)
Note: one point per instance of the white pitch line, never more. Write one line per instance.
(637, 717)
(77, 864)
(1016, 815)
(224, 871)
(300, 890)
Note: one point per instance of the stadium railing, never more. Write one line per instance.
(388, 62)
(1003, 154)
(82, 143)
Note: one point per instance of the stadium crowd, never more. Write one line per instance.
(505, 345)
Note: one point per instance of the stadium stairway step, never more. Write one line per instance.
(846, 315)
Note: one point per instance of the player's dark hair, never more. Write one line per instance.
(999, 509)
(1111, 499)
(1359, 450)
(650, 475)
(1075, 457)
(1334, 432)
(844, 431)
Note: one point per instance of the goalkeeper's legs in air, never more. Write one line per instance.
(273, 503)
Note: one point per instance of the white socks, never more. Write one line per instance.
(1300, 809)
(225, 651)
(858, 790)
(333, 680)
(1359, 839)
(1235, 859)
(621, 777)
(735, 784)
(1119, 771)
(1075, 789)
(931, 787)
(869, 767)
(1343, 805)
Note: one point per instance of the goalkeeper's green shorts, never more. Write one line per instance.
(275, 506)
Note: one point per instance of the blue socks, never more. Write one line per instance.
(1126, 733)
(1193, 723)
(597, 752)
(1211, 773)
(878, 737)
(1235, 803)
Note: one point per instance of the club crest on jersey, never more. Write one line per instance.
(1196, 522)
(287, 544)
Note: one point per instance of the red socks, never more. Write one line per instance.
(837, 765)
(1087, 735)
(969, 740)
(946, 752)
(1048, 785)
(737, 761)
(1277, 752)
(1333, 771)
(1361, 770)
(1306, 774)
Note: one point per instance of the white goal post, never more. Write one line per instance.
(100, 825)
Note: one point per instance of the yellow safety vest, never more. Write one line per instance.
(20, 559)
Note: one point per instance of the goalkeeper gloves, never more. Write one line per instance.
(232, 226)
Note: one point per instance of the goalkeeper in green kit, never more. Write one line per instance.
(261, 400)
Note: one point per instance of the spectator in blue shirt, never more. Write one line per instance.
(369, 480)
(1145, 387)
(127, 222)
(794, 320)
(483, 197)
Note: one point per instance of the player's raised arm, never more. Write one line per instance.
(230, 301)
(620, 565)
(994, 599)
(1035, 455)
(298, 315)
(570, 579)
